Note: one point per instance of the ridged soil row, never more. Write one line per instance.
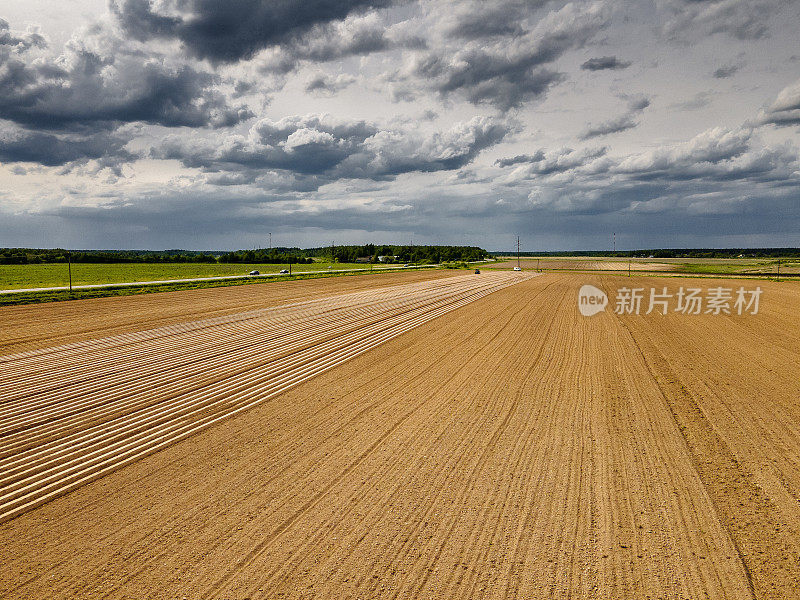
(495, 493)
(90, 443)
(162, 356)
(509, 449)
(731, 383)
(37, 326)
(425, 427)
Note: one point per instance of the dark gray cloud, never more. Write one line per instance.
(605, 62)
(621, 123)
(230, 221)
(785, 111)
(87, 89)
(615, 125)
(638, 104)
(58, 150)
(543, 163)
(480, 20)
(726, 71)
(328, 86)
(10, 42)
(233, 30)
(320, 149)
(354, 36)
(510, 70)
(520, 159)
(505, 84)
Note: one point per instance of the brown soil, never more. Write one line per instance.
(41, 325)
(508, 449)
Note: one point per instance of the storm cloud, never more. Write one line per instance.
(234, 30)
(511, 70)
(102, 87)
(329, 149)
(58, 150)
(198, 123)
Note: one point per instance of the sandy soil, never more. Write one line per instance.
(40, 325)
(508, 449)
(76, 412)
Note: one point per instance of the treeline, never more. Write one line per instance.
(675, 253)
(400, 254)
(274, 256)
(28, 256)
(281, 255)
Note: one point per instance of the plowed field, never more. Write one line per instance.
(472, 437)
(577, 264)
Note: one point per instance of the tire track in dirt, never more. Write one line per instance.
(166, 550)
(243, 564)
(767, 549)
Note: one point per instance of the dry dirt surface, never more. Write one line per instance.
(42, 325)
(509, 448)
(73, 413)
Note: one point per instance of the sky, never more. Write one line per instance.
(209, 124)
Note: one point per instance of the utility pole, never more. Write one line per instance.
(270, 243)
(518, 252)
(69, 267)
(778, 278)
(614, 237)
(629, 266)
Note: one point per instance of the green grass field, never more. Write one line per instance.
(735, 266)
(55, 275)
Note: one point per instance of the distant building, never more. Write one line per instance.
(363, 259)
